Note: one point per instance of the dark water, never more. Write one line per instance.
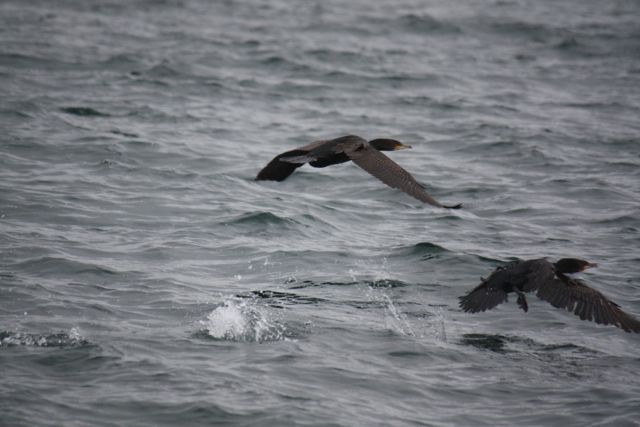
(146, 279)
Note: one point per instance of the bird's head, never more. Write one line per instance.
(384, 144)
(572, 265)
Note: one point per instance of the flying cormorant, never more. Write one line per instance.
(551, 283)
(365, 154)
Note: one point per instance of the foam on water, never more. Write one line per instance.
(73, 338)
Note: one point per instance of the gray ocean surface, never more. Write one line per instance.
(147, 280)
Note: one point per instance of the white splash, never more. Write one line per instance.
(394, 318)
(74, 334)
(243, 320)
(438, 326)
(398, 321)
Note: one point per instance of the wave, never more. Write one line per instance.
(51, 265)
(376, 283)
(425, 23)
(512, 344)
(423, 248)
(491, 342)
(33, 62)
(83, 112)
(281, 62)
(535, 31)
(287, 297)
(259, 218)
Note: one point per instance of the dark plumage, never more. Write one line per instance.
(551, 283)
(365, 154)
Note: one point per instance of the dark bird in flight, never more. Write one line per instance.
(552, 284)
(367, 155)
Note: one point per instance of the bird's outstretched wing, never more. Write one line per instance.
(586, 302)
(482, 298)
(392, 174)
